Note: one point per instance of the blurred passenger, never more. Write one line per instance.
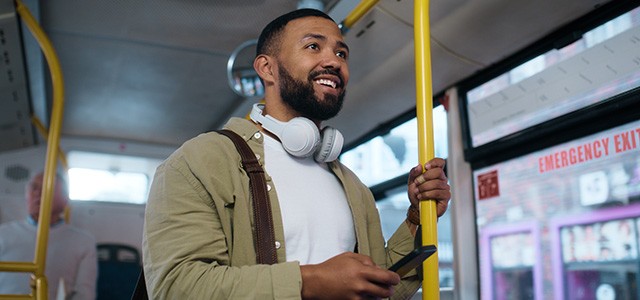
(71, 252)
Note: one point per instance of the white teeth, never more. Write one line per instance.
(326, 82)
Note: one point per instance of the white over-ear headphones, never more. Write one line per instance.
(300, 136)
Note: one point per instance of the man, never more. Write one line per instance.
(71, 252)
(198, 241)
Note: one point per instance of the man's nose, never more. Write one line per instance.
(332, 61)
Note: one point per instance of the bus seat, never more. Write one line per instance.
(118, 269)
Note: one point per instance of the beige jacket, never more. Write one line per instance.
(198, 239)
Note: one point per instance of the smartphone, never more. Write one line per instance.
(413, 259)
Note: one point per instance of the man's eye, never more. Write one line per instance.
(342, 54)
(313, 46)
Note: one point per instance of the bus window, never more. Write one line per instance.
(382, 160)
(590, 70)
(393, 210)
(385, 157)
(108, 177)
(579, 203)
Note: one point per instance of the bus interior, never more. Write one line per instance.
(535, 108)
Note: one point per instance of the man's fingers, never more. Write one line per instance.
(434, 184)
(383, 277)
(363, 259)
(420, 180)
(414, 173)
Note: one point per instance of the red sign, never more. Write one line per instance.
(488, 185)
(597, 148)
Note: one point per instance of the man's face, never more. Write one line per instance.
(34, 193)
(312, 67)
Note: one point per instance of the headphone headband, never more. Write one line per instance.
(268, 122)
(300, 137)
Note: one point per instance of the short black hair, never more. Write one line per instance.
(271, 33)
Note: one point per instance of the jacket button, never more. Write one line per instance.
(268, 187)
(257, 135)
(277, 245)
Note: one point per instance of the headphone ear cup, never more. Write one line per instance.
(331, 145)
(300, 137)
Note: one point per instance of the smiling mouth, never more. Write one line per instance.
(327, 82)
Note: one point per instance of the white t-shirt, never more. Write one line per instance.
(317, 220)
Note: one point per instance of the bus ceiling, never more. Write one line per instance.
(156, 75)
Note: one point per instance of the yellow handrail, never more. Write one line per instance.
(15, 297)
(39, 284)
(360, 10)
(61, 156)
(22, 267)
(424, 113)
(44, 132)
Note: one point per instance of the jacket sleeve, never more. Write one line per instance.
(185, 252)
(400, 244)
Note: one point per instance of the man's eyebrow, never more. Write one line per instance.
(323, 38)
(343, 45)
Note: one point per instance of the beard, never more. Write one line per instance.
(301, 96)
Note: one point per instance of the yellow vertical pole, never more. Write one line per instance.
(55, 127)
(424, 113)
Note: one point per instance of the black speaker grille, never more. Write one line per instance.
(16, 173)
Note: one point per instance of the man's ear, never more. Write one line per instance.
(263, 66)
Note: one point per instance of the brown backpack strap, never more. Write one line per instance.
(264, 237)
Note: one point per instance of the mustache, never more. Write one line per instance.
(333, 72)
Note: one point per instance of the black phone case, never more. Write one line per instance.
(413, 259)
